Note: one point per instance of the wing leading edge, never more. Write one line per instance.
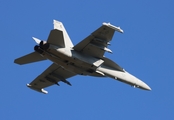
(52, 75)
(98, 41)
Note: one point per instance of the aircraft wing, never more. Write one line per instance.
(96, 43)
(52, 75)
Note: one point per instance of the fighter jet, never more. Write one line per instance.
(85, 58)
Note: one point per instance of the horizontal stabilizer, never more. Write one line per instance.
(29, 58)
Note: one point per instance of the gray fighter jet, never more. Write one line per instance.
(85, 58)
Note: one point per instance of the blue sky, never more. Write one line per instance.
(145, 50)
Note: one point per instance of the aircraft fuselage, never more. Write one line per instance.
(84, 64)
(85, 58)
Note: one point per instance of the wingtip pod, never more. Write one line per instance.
(44, 91)
(37, 89)
(113, 27)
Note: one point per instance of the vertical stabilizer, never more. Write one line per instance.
(59, 26)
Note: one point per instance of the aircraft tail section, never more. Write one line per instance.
(58, 36)
(29, 58)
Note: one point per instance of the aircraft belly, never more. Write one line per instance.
(78, 63)
(72, 65)
(61, 62)
(62, 53)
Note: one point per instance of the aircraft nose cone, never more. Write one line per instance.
(144, 86)
(148, 88)
(139, 83)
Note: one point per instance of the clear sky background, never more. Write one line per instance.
(146, 50)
